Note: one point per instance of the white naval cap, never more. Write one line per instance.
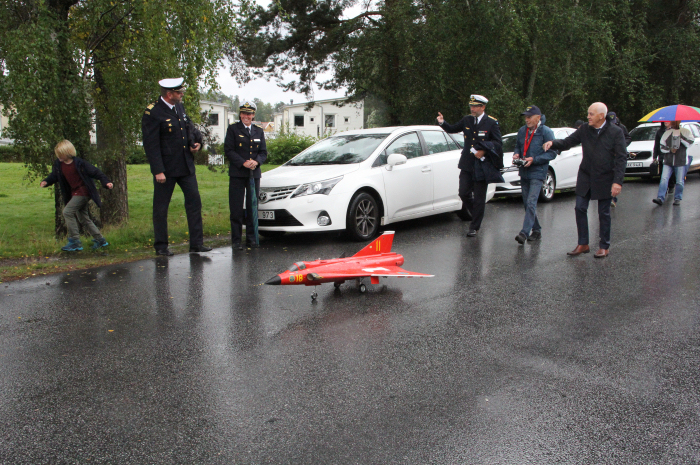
(478, 100)
(172, 84)
(247, 107)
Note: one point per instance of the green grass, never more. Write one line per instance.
(27, 242)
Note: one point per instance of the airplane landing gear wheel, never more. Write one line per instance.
(336, 285)
(314, 296)
(363, 288)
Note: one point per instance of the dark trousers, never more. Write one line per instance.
(162, 193)
(603, 218)
(238, 188)
(473, 195)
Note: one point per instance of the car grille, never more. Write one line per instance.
(641, 156)
(268, 194)
(282, 218)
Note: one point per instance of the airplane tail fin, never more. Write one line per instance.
(382, 244)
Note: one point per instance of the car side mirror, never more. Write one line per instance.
(395, 159)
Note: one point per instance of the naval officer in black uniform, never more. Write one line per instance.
(169, 142)
(481, 131)
(245, 150)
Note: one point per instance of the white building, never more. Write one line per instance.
(3, 125)
(218, 118)
(325, 117)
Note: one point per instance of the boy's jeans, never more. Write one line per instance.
(531, 192)
(76, 211)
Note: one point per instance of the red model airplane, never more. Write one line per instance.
(374, 261)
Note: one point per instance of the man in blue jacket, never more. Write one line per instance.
(533, 162)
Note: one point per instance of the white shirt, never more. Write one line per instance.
(478, 118)
(169, 106)
(249, 128)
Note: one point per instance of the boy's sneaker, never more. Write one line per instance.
(73, 245)
(99, 243)
(677, 202)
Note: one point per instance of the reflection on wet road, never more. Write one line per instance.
(511, 354)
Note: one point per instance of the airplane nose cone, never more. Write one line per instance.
(275, 280)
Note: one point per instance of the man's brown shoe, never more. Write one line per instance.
(579, 250)
(601, 253)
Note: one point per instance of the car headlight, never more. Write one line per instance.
(321, 187)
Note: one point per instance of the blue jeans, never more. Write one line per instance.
(680, 181)
(531, 189)
(604, 219)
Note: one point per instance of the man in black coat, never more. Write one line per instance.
(245, 150)
(612, 116)
(600, 174)
(169, 141)
(482, 144)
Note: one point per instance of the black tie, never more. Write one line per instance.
(249, 133)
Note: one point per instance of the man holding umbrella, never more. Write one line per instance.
(246, 150)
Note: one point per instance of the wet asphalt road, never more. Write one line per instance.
(510, 355)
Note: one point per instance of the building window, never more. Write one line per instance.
(347, 120)
(213, 119)
(311, 119)
(298, 121)
(330, 121)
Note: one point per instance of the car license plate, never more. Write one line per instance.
(266, 215)
(634, 164)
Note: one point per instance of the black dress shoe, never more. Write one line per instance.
(237, 246)
(472, 233)
(658, 201)
(165, 252)
(200, 248)
(521, 238)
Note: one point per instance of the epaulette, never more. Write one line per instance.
(492, 117)
(257, 125)
(149, 107)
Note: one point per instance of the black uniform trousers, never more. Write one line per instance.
(238, 188)
(162, 193)
(473, 195)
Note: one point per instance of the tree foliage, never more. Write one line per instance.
(67, 63)
(416, 57)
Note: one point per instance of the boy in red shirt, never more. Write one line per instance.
(74, 176)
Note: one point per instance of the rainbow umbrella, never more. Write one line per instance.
(672, 113)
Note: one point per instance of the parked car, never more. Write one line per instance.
(360, 180)
(642, 147)
(562, 172)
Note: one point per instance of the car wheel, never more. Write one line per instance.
(363, 217)
(272, 234)
(548, 187)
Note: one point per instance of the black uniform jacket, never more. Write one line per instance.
(167, 137)
(239, 147)
(487, 130)
(86, 172)
(604, 158)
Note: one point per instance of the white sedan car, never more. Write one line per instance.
(562, 172)
(360, 180)
(642, 147)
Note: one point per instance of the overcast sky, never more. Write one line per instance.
(269, 92)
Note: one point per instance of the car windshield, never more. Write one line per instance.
(509, 143)
(644, 133)
(339, 150)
